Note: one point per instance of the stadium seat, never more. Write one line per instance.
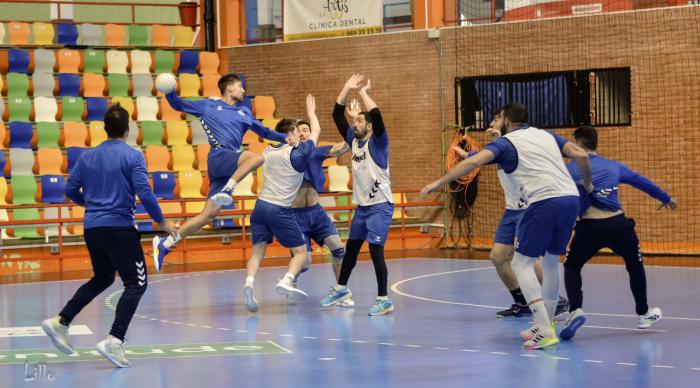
(74, 134)
(3, 191)
(133, 135)
(151, 133)
(339, 178)
(245, 186)
(342, 200)
(208, 62)
(183, 157)
(140, 62)
(118, 85)
(21, 134)
(19, 108)
(51, 213)
(68, 61)
(225, 222)
(4, 167)
(73, 108)
(26, 215)
(189, 60)
(17, 84)
(126, 103)
(94, 85)
(171, 208)
(142, 85)
(143, 225)
(192, 98)
(91, 35)
(247, 204)
(146, 109)
(97, 133)
(43, 33)
(165, 61)
(160, 36)
(176, 132)
(189, 85)
(138, 35)
(94, 61)
(195, 207)
(18, 33)
(157, 158)
(18, 61)
(164, 184)
(202, 157)
(69, 85)
(3, 136)
(96, 108)
(45, 109)
(210, 85)
(47, 135)
(44, 61)
(76, 212)
(67, 34)
(2, 33)
(44, 85)
(259, 179)
(190, 184)
(182, 36)
(250, 137)
(167, 112)
(115, 35)
(198, 134)
(2, 108)
(117, 62)
(264, 107)
(24, 190)
(52, 189)
(72, 155)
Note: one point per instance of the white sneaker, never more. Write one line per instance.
(249, 297)
(113, 350)
(652, 316)
(285, 287)
(346, 303)
(58, 334)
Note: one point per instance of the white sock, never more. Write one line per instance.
(230, 184)
(338, 287)
(290, 276)
(539, 312)
(383, 298)
(550, 283)
(524, 268)
(249, 281)
(170, 241)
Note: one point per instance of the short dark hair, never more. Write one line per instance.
(303, 122)
(587, 136)
(366, 114)
(516, 113)
(116, 121)
(286, 125)
(226, 80)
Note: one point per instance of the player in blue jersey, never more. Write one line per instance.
(105, 180)
(603, 224)
(225, 121)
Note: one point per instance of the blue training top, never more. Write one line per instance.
(110, 175)
(224, 124)
(607, 176)
(314, 169)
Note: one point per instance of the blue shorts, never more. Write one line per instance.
(222, 163)
(508, 227)
(372, 223)
(315, 224)
(546, 226)
(270, 220)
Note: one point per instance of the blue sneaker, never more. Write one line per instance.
(334, 296)
(381, 307)
(223, 197)
(576, 320)
(159, 252)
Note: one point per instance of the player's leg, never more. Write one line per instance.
(247, 163)
(378, 223)
(261, 235)
(285, 226)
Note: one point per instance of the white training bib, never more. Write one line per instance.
(371, 184)
(512, 191)
(282, 181)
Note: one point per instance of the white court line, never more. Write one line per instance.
(625, 363)
(279, 346)
(594, 361)
(624, 328)
(663, 366)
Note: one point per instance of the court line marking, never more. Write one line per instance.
(279, 346)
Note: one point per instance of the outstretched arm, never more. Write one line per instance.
(461, 169)
(642, 183)
(195, 108)
(313, 120)
(266, 133)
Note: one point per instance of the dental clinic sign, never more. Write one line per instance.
(310, 19)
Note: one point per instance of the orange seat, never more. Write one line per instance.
(250, 137)
(264, 107)
(3, 138)
(76, 212)
(50, 161)
(115, 35)
(157, 158)
(257, 147)
(68, 61)
(208, 63)
(210, 85)
(202, 157)
(75, 134)
(94, 85)
(18, 33)
(160, 36)
(167, 112)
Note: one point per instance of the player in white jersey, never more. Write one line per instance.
(371, 191)
(273, 215)
(533, 158)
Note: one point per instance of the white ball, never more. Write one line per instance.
(166, 83)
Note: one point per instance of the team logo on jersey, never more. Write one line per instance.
(240, 112)
(373, 191)
(219, 107)
(359, 158)
(604, 193)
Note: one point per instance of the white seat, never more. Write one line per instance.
(45, 109)
(117, 62)
(140, 62)
(22, 161)
(146, 108)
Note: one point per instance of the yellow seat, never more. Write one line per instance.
(50, 161)
(190, 184)
(182, 36)
(183, 157)
(249, 205)
(339, 177)
(177, 132)
(43, 33)
(169, 209)
(97, 133)
(3, 191)
(157, 158)
(126, 103)
(189, 85)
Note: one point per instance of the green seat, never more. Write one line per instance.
(47, 135)
(73, 108)
(188, 116)
(20, 108)
(151, 133)
(23, 190)
(118, 85)
(343, 201)
(94, 61)
(26, 215)
(138, 35)
(17, 85)
(165, 61)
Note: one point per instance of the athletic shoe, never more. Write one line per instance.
(159, 252)
(113, 350)
(334, 296)
(285, 287)
(347, 303)
(223, 197)
(652, 316)
(576, 319)
(249, 297)
(295, 283)
(381, 307)
(58, 334)
(561, 313)
(533, 330)
(516, 310)
(543, 339)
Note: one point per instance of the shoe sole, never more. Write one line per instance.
(103, 352)
(54, 336)
(222, 200)
(295, 295)
(383, 312)
(648, 325)
(342, 298)
(541, 346)
(513, 316)
(563, 316)
(156, 253)
(569, 331)
(250, 303)
(347, 304)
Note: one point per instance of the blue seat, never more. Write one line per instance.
(2, 165)
(21, 134)
(69, 85)
(18, 61)
(52, 189)
(73, 153)
(188, 61)
(228, 222)
(143, 226)
(96, 108)
(164, 184)
(67, 34)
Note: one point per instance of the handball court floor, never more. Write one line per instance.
(191, 329)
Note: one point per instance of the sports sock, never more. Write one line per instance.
(518, 296)
(170, 241)
(230, 184)
(550, 283)
(249, 281)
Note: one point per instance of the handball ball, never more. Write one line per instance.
(166, 83)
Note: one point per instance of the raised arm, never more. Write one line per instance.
(375, 116)
(313, 120)
(195, 108)
(339, 110)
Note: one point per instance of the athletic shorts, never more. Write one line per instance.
(546, 226)
(508, 226)
(222, 163)
(372, 223)
(270, 220)
(315, 224)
